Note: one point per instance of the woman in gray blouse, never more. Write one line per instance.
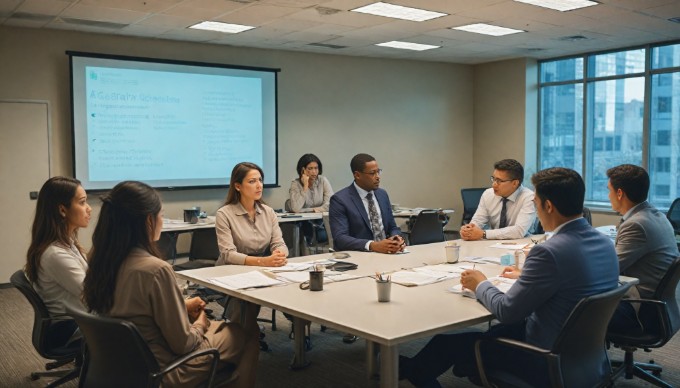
(310, 192)
(55, 261)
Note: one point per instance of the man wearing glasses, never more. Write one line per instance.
(361, 214)
(506, 210)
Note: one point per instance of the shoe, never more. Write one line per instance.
(349, 338)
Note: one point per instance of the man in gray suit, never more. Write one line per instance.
(576, 262)
(645, 240)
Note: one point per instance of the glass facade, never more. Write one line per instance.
(595, 114)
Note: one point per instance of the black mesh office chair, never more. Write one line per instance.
(471, 197)
(117, 356)
(582, 339)
(427, 228)
(48, 336)
(661, 320)
(538, 228)
(673, 215)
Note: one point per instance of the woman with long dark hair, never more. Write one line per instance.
(55, 261)
(127, 280)
(310, 192)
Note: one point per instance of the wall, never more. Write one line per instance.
(416, 118)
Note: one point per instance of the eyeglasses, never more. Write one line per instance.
(372, 173)
(498, 181)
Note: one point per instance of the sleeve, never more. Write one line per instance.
(339, 221)
(170, 313)
(225, 241)
(297, 197)
(327, 194)
(482, 216)
(63, 268)
(277, 237)
(525, 220)
(631, 244)
(539, 281)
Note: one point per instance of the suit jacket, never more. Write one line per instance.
(646, 246)
(578, 261)
(350, 225)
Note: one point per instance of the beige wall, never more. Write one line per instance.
(416, 118)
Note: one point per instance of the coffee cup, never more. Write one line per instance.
(191, 215)
(452, 253)
(315, 282)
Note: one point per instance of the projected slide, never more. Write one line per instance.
(149, 125)
(168, 123)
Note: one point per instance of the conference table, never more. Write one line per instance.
(352, 307)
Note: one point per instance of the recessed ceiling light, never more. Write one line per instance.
(221, 27)
(398, 12)
(487, 29)
(408, 45)
(560, 5)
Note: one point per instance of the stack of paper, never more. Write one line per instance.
(251, 279)
(503, 285)
(509, 245)
(482, 260)
(411, 278)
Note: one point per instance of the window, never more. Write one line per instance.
(610, 89)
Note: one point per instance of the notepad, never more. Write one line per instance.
(482, 259)
(412, 278)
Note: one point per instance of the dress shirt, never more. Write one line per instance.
(363, 193)
(317, 197)
(238, 236)
(60, 278)
(520, 211)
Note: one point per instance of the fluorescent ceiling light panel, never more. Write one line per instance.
(399, 12)
(408, 45)
(221, 27)
(487, 29)
(560, 5)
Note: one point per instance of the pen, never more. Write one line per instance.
(473, 266)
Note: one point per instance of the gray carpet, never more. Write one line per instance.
(334, 364)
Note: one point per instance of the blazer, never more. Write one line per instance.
(350, 226)
(576, 262)
(646, 246)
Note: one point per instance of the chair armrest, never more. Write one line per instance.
(190, 356)
(515, 345)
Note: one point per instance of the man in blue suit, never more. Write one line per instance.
(645, 241)
(577, 261)
(361, 214)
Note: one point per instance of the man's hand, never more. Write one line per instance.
(194, 307)
(389, 245)
(471, 232)
(470, 279)
(511, 272)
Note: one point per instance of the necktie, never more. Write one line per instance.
(375, 220)
(504, 217)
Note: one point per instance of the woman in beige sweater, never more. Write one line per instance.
(127, 280)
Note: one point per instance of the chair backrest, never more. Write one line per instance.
(167, 245)
(666, 292)
(427, 228)
(673, 215)
(204, 245)
(538, 227)
(48, 337)
(471, 197)
(329, 233)
(587, 215)
(117, 355)
(581, 342)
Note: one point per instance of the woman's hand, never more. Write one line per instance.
(195, 307)
(304, 179)
(203, 320)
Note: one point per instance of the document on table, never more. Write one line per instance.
(302, 276)
(482, 259)
(503, 285)
(251, 279)
(296, 266)
(412, 278)
(509, 245)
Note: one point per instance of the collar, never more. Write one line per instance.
(513, 197)
(362, 193)
(239, 210)
(632, 210)
(556, 230)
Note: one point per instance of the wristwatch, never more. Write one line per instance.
(484, 234)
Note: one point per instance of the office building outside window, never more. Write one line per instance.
(595, 113)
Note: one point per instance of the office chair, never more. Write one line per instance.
(167, 244)
(46, 331)
(427, 228)
(117, 355)
(660, 319)
(471, 197)
(673, 215)
(538, 228)
(581, 339)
